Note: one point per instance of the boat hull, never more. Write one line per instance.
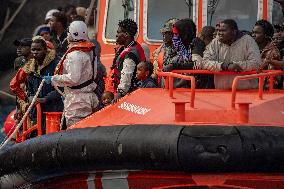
(187, 149)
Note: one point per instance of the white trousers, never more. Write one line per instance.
(78, 106)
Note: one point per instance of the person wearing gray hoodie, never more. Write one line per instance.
(231, 51)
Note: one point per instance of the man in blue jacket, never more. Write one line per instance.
(43, 63)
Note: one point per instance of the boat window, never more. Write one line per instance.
(244, 12)
(159, 11)
(118, 10)
(277, 15)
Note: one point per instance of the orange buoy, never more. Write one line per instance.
(9, 125)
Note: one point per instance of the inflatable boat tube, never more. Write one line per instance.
(144, 147)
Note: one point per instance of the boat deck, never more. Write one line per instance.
(155, 106)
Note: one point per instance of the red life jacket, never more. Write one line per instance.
(115, 74)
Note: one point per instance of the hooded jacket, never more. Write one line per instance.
(244, 52)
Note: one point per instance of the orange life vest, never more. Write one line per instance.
(84, 46)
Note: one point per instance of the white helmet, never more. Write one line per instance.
(78, 30)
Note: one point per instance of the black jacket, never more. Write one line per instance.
(60, 44)
(53, 98)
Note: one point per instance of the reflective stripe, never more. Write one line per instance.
(117, 180)
(91, 181)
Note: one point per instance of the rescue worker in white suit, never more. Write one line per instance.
(76, 72)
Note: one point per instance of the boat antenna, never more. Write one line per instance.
(128, 6)
(212, 6)
(189, 4)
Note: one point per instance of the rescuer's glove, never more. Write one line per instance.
(47, 79)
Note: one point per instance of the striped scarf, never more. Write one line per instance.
(184, 55)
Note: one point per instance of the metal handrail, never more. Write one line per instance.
(246, 76)
(37, 127)
(261, 77)
(207, 72)
(169, 83)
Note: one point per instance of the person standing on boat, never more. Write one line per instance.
(43, 63)
(231, 51)
(165, 53)
(18, 83)
(58, 24)
(23, 52)
(127, 57)
(76, 73)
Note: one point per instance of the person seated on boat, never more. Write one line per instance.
(206, 35)
(43, 63)
(143, 75)
(262, 33)
(215, 34)
(18, 82)
(165, 53)
(127, 57)
(231, 51)
(184, 32)
(278, 38)
(76, 72)
(106, 100)
(198, 47)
